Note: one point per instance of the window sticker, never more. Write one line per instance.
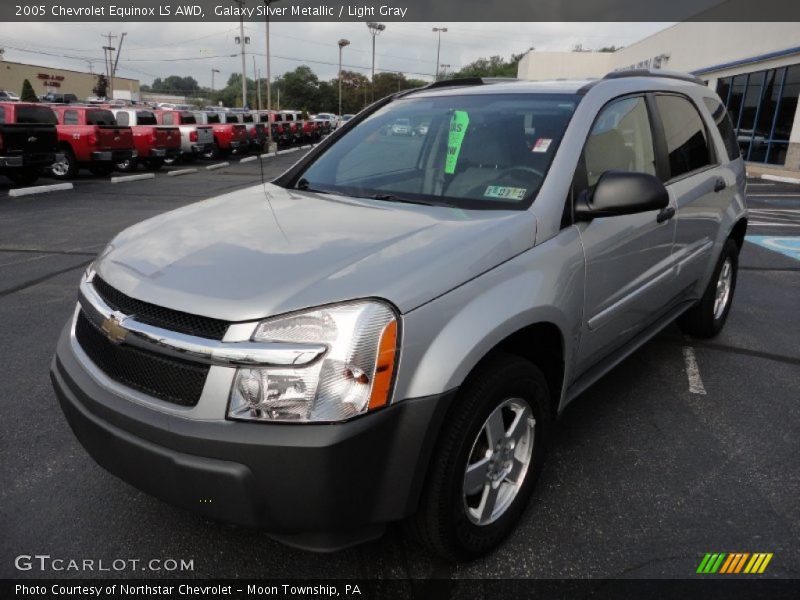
(542, 145)
(505, 192)
(458, 128)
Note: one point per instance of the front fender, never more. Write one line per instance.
(446, 338)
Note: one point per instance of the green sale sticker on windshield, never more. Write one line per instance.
(458, 128)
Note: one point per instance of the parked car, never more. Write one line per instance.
(401, 127)
(295, 124)
(256, 131)
(393, 337)
(28, 142)
(196, 139)
(89, 137)
(59, 98)
(343, 120)
(230, 136)
(6, 96)
(154, 143)
(280, 131)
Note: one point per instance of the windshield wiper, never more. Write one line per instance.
(304, 186)
(394, 198)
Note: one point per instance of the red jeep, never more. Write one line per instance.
(90, 137)
(154, 143)
(27, 140)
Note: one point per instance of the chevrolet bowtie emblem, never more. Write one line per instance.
(114, 330)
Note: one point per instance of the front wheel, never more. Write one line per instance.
(488, 459)
(706, 318)
(66, 168)
(127, 166)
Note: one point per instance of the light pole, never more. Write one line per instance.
(269, 75)
(375, 29)
(342, 43)
(212, 78)
(242, 40)
(444, 70)
(439, 31)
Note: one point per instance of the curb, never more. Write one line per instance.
(780, 178)
(39, 189)
(266, 155)
(181, 172)
(218, 166)
(289, 151)
(248, 159)
(124, 178)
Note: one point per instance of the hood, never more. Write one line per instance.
(267, 250)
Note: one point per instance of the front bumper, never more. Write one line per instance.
(320, 487)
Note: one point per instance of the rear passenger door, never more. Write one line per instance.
(701, 189)
(629, 275)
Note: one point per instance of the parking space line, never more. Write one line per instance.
(124, 178)
(181, 172)
(39, 189)
(693, 372)
(218, 166)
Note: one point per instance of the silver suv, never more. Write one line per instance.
(388, 330)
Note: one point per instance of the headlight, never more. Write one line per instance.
(353, 376)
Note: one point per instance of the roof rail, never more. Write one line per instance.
(464, 81)
(654, 73)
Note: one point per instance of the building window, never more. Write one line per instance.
(762, 106)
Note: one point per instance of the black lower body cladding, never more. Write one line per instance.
(319, 486)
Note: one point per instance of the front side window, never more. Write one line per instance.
(687, 142)
(724, 125)
(475, 151)
(621, 140)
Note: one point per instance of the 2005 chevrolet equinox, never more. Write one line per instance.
(387, 331)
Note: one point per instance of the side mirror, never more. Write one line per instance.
(621, 193)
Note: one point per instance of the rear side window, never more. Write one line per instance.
(188, 118)
(145, 117)
(724, 125)
(621, 140)
(169, 118)
(36, 114)
(687, 141)
(213, 118)
(100, 117)
(122, 118)
(2, 114)
(71, 117)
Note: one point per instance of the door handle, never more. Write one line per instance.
(665, 215)
(720, 184)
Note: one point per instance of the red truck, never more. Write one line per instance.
(229, 135)
(89, 137)
(28, 142)
(291, 120)
(307, 129)
(280, 130)
(154, 143)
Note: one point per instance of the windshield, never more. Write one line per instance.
(477, 151)
(100, 117)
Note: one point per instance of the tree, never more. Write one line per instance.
(610, 48)
(494, 66)
(100, 88)
(299, 88)
(28, 95)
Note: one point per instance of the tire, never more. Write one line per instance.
(213, 152)
(24, 176)
(154, 164)
(102, 170)
(448, 521)
(127, 166)
(706, 318)
(66, 168)
(173, 160)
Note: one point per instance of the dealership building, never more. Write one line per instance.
(65, 81)
(754, 67)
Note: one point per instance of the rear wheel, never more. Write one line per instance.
(487, 461)
(172, 160)
(212, 152)
(66, 168)
(127, 166)
(706, 318)
(24, 176)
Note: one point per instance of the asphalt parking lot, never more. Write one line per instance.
(646, 474)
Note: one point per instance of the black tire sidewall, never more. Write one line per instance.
(729, 251)
(516, 379)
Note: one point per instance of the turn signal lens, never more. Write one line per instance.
(384, 367)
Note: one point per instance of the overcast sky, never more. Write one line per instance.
(160, 49)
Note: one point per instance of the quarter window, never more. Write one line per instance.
(724, 125)
(122, 118)
(621, 140)
(169, 118)
(687, 142)
(70, 117)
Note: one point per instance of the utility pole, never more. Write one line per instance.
(258, 82)
(439, 31)
(242, 40)
(375, 29)
(269, 76)
(212, 78)
(107, 50)
(342, 43)
(116, 62)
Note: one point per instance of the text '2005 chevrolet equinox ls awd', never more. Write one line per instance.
(387, 331)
